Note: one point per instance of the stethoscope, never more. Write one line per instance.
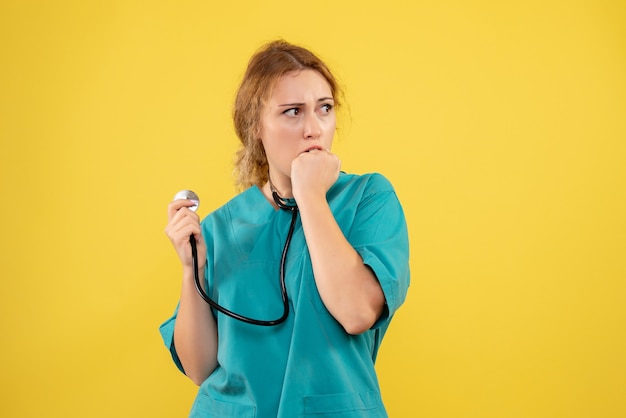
(280, 202)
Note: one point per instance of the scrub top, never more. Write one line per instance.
(308, 366)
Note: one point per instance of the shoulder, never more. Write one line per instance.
(248, 206)
(243, 199)
(360, 191)
(370, 183)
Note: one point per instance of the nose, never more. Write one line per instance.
(312, 127)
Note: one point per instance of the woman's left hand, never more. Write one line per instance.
(313, 173)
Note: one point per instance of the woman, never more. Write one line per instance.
(346, 270)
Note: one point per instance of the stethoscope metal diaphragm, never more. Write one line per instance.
(189, 195)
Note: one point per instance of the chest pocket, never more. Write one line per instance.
(344, 405)
(205, 406)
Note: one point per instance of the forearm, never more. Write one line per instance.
(195, 332)
(348, 288)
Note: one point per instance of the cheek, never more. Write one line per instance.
(283, 135)
(331, 121)
(331, 126)
(276, 141)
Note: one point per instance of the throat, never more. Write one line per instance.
(278, 200)
(282, 193)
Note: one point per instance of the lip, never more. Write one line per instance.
(314, 147)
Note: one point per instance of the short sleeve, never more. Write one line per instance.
(167, 333)
(379, 234)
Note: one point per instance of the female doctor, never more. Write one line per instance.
(345, 272)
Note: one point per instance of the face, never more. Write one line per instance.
(298, 117)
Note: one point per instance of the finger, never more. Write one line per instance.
(185, 232)
(180, 203)
(338, 162)
(180, 219)
(181, 236)
(180, 206)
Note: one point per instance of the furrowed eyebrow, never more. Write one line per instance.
(323, 99)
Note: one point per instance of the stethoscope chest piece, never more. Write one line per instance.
(189, 195)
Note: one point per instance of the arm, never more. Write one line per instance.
(195, 331)
(348, 287)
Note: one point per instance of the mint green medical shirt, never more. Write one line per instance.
(307, 366)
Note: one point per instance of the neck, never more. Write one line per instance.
(283, 190)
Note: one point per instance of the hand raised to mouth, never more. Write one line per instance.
(313, 172)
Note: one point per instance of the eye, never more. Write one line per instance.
(327, 107)
(294, 111)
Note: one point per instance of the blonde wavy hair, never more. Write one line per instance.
(265, 67)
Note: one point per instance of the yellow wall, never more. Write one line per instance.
(501, 125)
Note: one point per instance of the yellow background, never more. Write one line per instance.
(501, 124)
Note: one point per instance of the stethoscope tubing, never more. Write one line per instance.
(283, 288)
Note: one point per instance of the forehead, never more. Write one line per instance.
(299, 86)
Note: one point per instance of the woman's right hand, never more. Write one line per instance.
(182, 224)
(195, 332)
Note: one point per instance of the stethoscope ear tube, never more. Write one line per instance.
(283, 288)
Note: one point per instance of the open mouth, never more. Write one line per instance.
(316, 147)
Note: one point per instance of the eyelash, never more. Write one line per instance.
(327, 106)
